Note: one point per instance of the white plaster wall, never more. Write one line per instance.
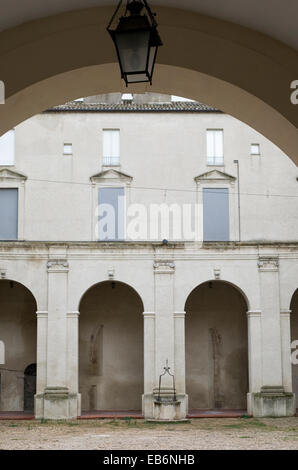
(159, 150)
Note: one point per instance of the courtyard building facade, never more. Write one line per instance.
(140, 231)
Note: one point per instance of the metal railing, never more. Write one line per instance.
(215, 160)
(111, 161)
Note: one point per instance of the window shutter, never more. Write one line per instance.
(113, 199)
(7, 148)
(216, 220)
(8, 214)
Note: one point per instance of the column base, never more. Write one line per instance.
(57, 403)
(271, 402)
(165, 410)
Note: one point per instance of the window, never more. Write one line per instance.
(127, 97)
(111, 214)
(7, 148)
(216, 226)
(111, 147)
(215, 155)
(255, 149)
(8, 214)
(67, 149)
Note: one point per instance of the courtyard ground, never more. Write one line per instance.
(131, 434)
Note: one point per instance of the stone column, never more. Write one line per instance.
(285, 324)
(149, 363)
(179, 332)
(164, 270)
(56, 394)
(272, 400)
(73, 363)
(254, 354)
(41, 379)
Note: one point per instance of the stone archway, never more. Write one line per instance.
(18, 332)
(294, 337)
(216, 347)
(111, 348)
(55, 59)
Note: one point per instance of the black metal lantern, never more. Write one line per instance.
(137, 41)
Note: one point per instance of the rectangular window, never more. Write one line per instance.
(111, 214)
(7, 148)
(255, 149)
(67, 149)
(216, 220)
(111, 147)
(215, 154)
(8, 214)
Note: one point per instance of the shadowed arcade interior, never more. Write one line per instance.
(294, 337)
(216, 347)
(18, 333)
(111, 348)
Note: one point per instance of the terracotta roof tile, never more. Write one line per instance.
(180, 106)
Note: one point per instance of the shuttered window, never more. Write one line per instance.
(8, 214)
(216, 223)
(111, 214)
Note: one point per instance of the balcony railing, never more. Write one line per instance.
(215, 161)
(111, 161)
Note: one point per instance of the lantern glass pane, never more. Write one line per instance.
(151, 60)
(133, 50)
(135, 78)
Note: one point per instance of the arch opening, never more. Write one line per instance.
(216, 347)
(18, 332)
(111, 348)
(294, 343)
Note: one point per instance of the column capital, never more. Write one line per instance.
(268, 263)
(58, 265)
(73, 314)
(164, 266)
(41, 314)
(149, 314)
(179, 314)
(285, 312)
(254, 313)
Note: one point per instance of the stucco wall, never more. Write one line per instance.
(163, 153)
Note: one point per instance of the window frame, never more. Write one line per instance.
(12, 180)
(253, 154)
(214, 163)
(105, 162)
(10, 165)
(65, 144)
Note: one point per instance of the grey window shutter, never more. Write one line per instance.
(113, 198)
(8, 214)
(216, 218)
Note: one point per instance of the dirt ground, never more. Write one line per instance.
(128, 434)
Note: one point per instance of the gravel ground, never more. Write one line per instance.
(129, 434)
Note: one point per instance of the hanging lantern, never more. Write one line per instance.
(136, 40)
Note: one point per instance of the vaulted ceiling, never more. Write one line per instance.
(276, 18)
